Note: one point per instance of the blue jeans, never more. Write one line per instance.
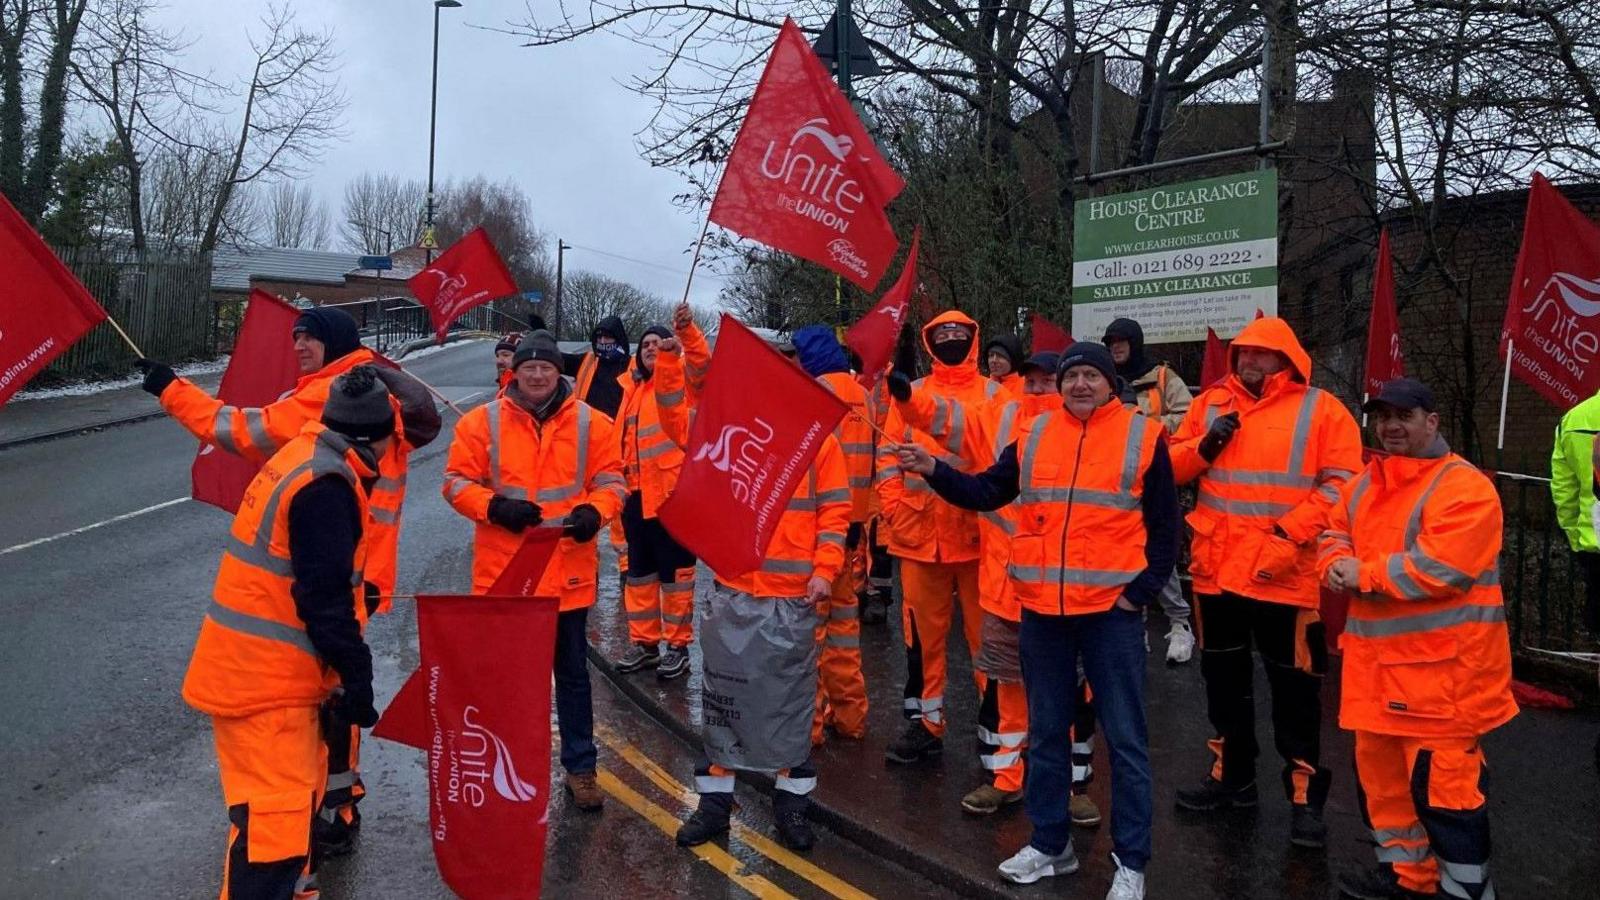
(1112, 646)
(573, 705)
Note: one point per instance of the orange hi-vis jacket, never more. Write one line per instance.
(1426, 651)
(650, 460)
(567, 461)
(978, 438)
(1295, 447)
(856, 439)
(1080, 522)
(253, 653)
(809, 539)
(1012, 384)
(921, 526)
(256, 434)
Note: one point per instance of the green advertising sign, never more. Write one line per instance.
(1178, 258)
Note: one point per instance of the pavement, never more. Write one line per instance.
(109, 783)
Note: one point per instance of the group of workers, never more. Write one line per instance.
(1039, 500)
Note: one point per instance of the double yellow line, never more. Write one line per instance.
(719, 858)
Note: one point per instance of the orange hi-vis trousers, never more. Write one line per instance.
(658, 593)
(273, 765)
(1003, 732)
(1423, 799)
(932, 591)
(841, 688)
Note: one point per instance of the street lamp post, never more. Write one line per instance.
(433, 114)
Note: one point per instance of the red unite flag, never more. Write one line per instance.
(1048, 337)
(1214, 367)
(261, 370)
(1552, 324)
(44, 308)
(467, 275)
(746, 454)
(804, 176)
(1385, 362)
(873, 338)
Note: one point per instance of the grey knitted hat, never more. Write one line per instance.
(537, 345)
(358, 406)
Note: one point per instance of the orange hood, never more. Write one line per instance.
(1272, 333)
(967, 367)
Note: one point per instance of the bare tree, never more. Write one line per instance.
(382, 212)
(588, 297)
(36, 43)
(127, 66)
(181, 186)
(505, 213)
(295, 217)
(292, 107)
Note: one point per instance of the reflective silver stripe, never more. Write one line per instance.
(650, 430)
(941, 416)
(255, 626)
(685, 619)
(581, 475)
(1130, 455)
(786, 566)
(1363, 482)
(390, 484)
(259, 557)
(557, 494)
(996, 761)
(512, 493)
(677, 587)
(840, 612)
(338, 781)
(1001, 522)
(1439, 571)
(846, 641)
(1329, 492)
(1029, 452)
(1449, 887)
(856, 448)
(1414, 521)
(492, 411)
(1001, 738)
(834, 495)
(660, 449)
(1212, 412)
(1230, 475)
(1242, 507)
(653, 614)
(669, 398)
(990, 389)
(255, 425)
(1330, 474)
(1110, 499)
(222, 431)
(884, 473)
(801, 504)
(1008, 420)
(713, 784)
(860, 482)
(1397, 853)
(800, 786)
(1470, 613)
(608, 478)
(830, 537)
(1302, 430)
(1082, 747)
(455, 485)
(1409, 833)
(1080, 774)
(1064, 575)
(1467, 873)
(641, 580)
(958, 427)
(384, 516)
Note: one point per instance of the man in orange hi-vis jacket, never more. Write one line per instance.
(327, 344)
(1415, 538)
(936, 543)
(759, 640)
(1269, 453)
(280, 656)
(539, 454)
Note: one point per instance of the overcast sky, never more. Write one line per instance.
(555, 120)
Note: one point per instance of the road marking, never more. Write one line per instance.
(717, 857)
(757, 841)
(111, 521)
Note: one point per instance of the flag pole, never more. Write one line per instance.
(113, 323)
(1505, 388)
(695, 263)
(435, 392)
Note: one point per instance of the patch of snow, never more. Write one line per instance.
(439, 348)
(85, 388)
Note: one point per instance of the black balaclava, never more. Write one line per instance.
(1130, 331)
(951, 353)
(612, 327)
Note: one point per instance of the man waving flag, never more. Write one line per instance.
(804, 175)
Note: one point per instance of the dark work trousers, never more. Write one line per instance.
(1231, 625)
(574, 710)
(1111, 645)
(1589, 562)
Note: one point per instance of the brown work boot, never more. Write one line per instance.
(585, 792)
(1083, 810)
(987, 799)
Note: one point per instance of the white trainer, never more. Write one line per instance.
(1180, 644)
(1030, 865)
(1126, 884)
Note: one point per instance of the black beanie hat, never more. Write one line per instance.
(1088, 353)
(538, 345)
(338, 332)
(358, 406)
(1010, 345)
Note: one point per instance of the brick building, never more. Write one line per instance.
(320, 277)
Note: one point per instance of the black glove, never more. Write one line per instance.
(353, 703)
(514, 515)
(372, 596)
(899, 386)
(852, 538)
(1222, 431)
(157, 375)
(583, 523)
